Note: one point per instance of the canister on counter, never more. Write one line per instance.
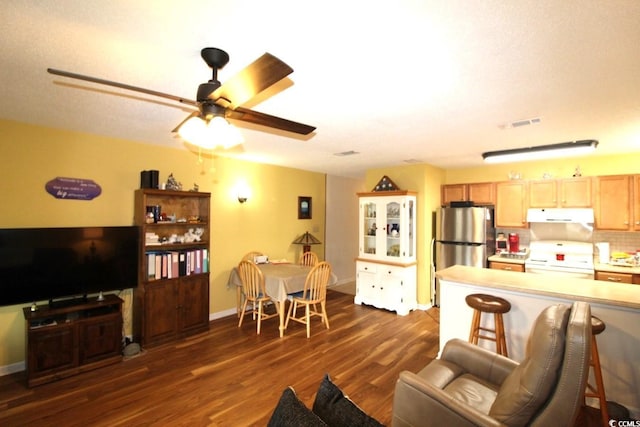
(514, 243)
(501, 244)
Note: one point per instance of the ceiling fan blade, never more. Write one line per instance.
(256, 77)
(255, 117)
(121, 86)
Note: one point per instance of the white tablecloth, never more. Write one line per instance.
(280, 280)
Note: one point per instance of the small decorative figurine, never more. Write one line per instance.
(193, 235)
(195, 188)
(199, 231)
(577, 172)
(173, 184)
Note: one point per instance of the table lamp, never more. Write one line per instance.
(307, 240)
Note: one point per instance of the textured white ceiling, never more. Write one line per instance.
(432, 81)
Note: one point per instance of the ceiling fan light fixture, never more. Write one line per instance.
(226, 134)
(563, 149)
(193, 131)
(217, 132)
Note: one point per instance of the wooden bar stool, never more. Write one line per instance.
(482, 303)
(597, 326)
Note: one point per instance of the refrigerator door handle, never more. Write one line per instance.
(433, 252)
(434, 300)
(445, 242)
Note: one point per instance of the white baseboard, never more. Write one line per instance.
(424, 307)
(343, 281)
(221, 314)
(13, 368)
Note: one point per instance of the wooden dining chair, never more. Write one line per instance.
(249, 256)
(309, 259)
(314, 294)
(254, 292)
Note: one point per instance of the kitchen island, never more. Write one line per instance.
(618, 305)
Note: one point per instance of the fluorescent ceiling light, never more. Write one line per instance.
(564, 149)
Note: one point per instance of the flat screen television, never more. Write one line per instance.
(62, 264)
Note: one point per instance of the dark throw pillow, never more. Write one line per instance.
(337, 410)
(291, 412)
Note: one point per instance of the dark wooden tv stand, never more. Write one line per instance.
(68, 340)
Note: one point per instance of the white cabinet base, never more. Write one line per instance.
(391, 287)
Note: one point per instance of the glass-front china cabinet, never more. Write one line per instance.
(386, 264)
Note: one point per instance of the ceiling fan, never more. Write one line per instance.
(215, 100)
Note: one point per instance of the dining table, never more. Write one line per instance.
(280, 279)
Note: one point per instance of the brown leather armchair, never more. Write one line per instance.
(471, 386)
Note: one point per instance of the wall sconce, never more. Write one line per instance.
(307, 239)
(242, 192)
(541, 152)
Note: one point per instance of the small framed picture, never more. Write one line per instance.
(304, 207)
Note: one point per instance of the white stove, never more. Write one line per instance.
(567, 258)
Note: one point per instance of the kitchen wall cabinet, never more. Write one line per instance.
(511, 204)
(386, 265)
(615, 199)
(453, 193)
(482, 193)
(561, 193)
(636, 202)
(613, 208)
(172, 296)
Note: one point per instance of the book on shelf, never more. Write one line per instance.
(158, 259)
(182, 264)
(173, 264)
(151, 265)
(197, 269)
(175, 271)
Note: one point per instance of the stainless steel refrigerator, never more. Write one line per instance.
(464, 236)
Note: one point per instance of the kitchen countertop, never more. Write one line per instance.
(598, 266)
(615, 268)
(592, 291)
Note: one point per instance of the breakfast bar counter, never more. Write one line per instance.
(591, 291)
(618, 305)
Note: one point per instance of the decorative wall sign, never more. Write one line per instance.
(304, 207)
(73, 188)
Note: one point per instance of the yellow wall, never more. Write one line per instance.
(628, 163)
(268, 221)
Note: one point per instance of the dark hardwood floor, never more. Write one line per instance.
(232, 377)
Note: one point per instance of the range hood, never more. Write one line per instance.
(561, 215)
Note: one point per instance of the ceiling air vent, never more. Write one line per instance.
(346, 153)
(525, 122)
